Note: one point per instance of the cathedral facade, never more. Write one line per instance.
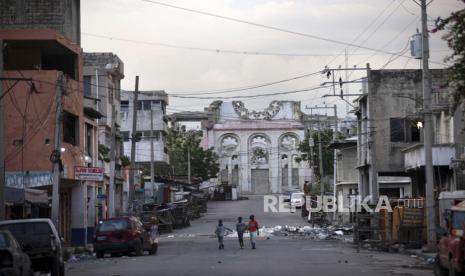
(258, 150)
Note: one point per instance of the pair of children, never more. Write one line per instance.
(241, 227)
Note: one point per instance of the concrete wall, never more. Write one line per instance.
(395, 94)
(60, 15)
(346, 164)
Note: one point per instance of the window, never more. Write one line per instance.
(113, 225)
(110, 95)
(143, 105)
(397, 130)
(70, 129)
(89, 130)
(457, 220)
(4, 241)
(404, 130)
(87, 86)
(124, 106)
(125, 135)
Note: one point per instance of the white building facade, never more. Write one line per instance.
(258, 150)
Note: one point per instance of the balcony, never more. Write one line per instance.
(414, 156)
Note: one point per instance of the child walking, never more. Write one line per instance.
(240, 228)
(220, 233)
(253, 230)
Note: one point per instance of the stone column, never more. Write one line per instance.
(289, 170)
(274, 164)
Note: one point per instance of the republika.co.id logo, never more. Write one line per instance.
(327, 204)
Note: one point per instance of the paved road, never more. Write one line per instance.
(192, 252)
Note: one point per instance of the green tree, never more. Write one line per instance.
(327, 152)
(454, 25)
(204, 163)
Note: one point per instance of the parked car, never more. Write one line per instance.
(287, 194)
(450, 259)
(13, 261)
(297, 199)
(39, 239)
(124, 235)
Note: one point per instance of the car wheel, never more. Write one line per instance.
(438, 269)
(100, 254)
(154, 249)
(139, 249)
(452, 268)
(58, 269)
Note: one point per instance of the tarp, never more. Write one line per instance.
(20, 196)
(35, 196)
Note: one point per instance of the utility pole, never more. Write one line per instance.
(57, 152)
(320, 157)
(335, 155)
(188, 163)
(152, 165)
(133, 145)
(428, 133)
(111, 199)
(2, 141)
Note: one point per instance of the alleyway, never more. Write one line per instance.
(192, 251)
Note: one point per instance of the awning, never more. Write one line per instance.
(21, 196)
(34, 196)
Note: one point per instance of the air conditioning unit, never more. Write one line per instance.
(416, 46)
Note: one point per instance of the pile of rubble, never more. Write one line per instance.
(342, 233)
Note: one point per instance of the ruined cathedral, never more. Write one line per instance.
(258, 150)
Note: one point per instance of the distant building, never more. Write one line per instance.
(151, 115)
(258, 150)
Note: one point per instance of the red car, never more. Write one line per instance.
(124, 235)
(450, 259)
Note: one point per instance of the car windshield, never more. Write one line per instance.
(458, 220)
(113, 225)
(30, 234)
(297, 195)
(4, 243)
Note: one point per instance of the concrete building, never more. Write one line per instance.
(390, 159)
(346, 174)
(151, 115)
(257, 149)
(63, 16)
(103, 73)
(30, 113)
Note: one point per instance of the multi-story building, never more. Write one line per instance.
(390, 151)
(102, 92)
(151, 116)
(48, 65)
(63, 16)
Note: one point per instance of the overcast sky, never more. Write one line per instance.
(388, 25)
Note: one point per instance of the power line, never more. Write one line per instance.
(250, 96)
(210, 50)
(243, 88)
(276, 28)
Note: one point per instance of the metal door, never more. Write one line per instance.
(260, 181)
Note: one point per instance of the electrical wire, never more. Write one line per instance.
(278, 29)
